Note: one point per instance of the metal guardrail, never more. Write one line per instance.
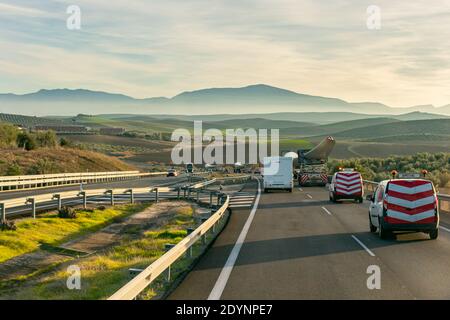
(133, 288)
(55, 200)
(444, 199)
(14, 183)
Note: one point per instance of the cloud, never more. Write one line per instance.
(146, 48)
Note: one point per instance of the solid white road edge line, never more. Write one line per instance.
(326, 210)
(364, 246)
(221, 282)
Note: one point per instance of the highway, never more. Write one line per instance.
(301, 246)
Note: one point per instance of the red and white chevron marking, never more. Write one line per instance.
(348, 183)
(410, 201)
(304, 178)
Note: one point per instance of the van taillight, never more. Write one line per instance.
(436, 201)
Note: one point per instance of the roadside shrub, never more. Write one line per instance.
(26, 141)
(13, 170)
(67, 213)
(101, 208)
(8, 226)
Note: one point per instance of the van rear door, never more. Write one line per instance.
(410, 201)
(348, 183)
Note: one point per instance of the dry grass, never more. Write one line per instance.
(60, 160)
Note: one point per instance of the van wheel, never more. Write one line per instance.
(372, 227)
(434, 234)
(291, 190)
(266, 191)
(381, 231)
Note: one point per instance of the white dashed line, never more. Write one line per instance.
(221, 282)
(326, 210)
(364, 246)
(300, 189)
(309, 196)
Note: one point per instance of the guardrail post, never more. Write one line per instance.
(156, 195)
(204, 235)
(178, 192)
(57, 197)
(167, 247)
(33, 206)
(3, 211)
(131, 195)
(210, 199)
(84, 198)
(218, 199)
(112, 197)
(189, 252)
(189, 194)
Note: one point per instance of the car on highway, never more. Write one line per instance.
(408, 205)
(172, 173)
(346, 185)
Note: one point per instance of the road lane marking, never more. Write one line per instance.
(364, 246)
(309, 196)
(326, 210)
(300, 189)
(221, 282)
(444, 228)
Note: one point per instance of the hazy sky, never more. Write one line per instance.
(163, 47)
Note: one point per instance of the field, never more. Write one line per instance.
(57, 160)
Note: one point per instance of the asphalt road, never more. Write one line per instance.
(301, 246)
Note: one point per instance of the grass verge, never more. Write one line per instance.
(50, 229)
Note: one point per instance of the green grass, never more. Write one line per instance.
(106, 272)
(50, 229)
(294, 144)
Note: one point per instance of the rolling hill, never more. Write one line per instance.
(396, 129)
(257, 99)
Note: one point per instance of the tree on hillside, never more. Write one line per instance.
(8, 135)
(26, 141)
(46, 139)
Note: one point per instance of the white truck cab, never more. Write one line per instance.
(278, 174)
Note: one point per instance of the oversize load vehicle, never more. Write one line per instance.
(404, 205)
(346, 184)
(281, 179)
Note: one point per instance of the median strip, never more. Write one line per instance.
(364, 246)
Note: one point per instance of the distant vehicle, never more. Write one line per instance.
(189, 168)
(346, 185)
(172, 173)
(283, 179)
(312, 164)
(409, 205)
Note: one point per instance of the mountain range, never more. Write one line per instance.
(256, 99)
